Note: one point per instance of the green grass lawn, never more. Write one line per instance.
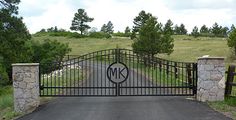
(227, 107)
(6, 103)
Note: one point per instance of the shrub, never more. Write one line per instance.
(4, 79)
(120, 34)
(60, 34)
(232, 41)
(76, 35)
(99, 35)
(48, 54)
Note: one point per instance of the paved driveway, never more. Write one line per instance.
(124, 108)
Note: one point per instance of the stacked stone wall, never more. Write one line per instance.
(211, 79)
(26, 86)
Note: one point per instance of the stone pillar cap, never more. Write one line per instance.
(25, 64)
(211, 58)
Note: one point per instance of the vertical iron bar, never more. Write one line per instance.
(182, 78)
(89, 73)
(86, 76)
(59, 77)
(78, 79)
(133, 77)
(145, 62)
(62, 79)
(137, 79)
(156, 72)
(74, 75)
(160, 76)
(167, 75)
(176, 77)
(93, 74)
(105, 55)
(97, 55)
(171, 74)
(70, 77)
(141, 66)
(51, 86)
(164, 77)
(149, 83)
(153, 81)
(82, 88)
(101, 73)
(109, 82)
(130, 73)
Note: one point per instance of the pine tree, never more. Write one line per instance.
(168, 28)
(204, 30)
(216, 29)
(195, 32)
(110, 28)
(183, 30)
(139, 20)
(127, 31)
(151, 40)
(79, 21)
(13, 35)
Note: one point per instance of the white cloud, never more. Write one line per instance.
(59, 14)
(43, 14)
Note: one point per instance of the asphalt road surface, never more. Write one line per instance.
(122, 108)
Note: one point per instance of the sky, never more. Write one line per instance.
(40, 14)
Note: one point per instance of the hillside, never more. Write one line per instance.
(186, 48)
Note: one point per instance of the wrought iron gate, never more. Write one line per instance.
(117, 72)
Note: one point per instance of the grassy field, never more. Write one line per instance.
(186, 48)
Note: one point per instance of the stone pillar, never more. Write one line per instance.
(211, 79)
(26, 86)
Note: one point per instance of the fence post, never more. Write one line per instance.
(211, 79)
(26, 86)
(230, 79)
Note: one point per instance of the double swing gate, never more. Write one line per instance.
(117, 72)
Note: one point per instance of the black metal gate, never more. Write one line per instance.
(117, 72)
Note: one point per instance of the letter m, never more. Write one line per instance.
(113, 72)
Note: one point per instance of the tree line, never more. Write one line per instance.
(81, 20)
(16, 45)
(152, 37)
(214, 31)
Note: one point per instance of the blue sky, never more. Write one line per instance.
(40, 14)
